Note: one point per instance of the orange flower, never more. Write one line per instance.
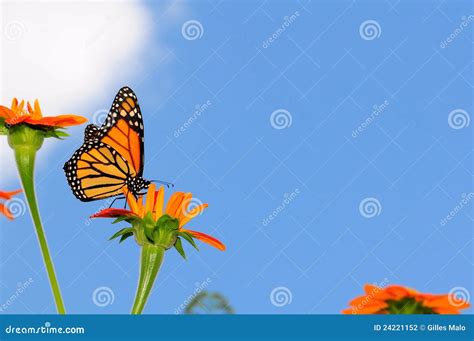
(32, 115)
(7, 196)
(177, 207)
(396, 299)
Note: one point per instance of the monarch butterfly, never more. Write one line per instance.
(112, 155)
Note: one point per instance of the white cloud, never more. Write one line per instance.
(67, 54)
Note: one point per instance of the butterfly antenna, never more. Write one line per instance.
(167, 184)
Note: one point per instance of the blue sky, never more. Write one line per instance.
(378, 115)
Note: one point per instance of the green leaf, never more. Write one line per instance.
(125, 236)
(189, 238)
(119, 219)
(122, 232)
(179, 247)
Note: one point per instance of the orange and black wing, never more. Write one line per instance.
(111, 154)
(96, 171)
(123, 130)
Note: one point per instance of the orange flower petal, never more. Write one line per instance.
(6, 113)
(174, 203)
(445, 301)
(19, 107)
(191, 214)
(37, 110)
(150, 198)
(14, 105)
(131, 200)
(206, 239)
(17, 119)
(6, 211)
(397, 292)
(446, 310)
(159, 200)
(57, 121)
(183, 206)
(365, 300)
(141, 209)
(9, 195)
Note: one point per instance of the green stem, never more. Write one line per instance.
(25, 160)
(150, 263)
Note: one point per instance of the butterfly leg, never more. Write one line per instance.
(117, 198)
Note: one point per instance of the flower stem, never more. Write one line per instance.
(150, 263)
(25, 160)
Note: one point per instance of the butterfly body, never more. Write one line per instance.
(112, 155)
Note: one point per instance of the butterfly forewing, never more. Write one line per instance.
(123, 129)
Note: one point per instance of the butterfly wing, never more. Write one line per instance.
(123, 129)
(96, 171)
(111, 154)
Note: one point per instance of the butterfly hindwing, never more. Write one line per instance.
(96, 171)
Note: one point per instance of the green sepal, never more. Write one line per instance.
(165, 231)
(167, 222)
(121, 232)
(125, 236)
(189, 238)
(149, 225)
(179, 247)
(149, 233)
(129, 219)
(119, 219)
(56, 133)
